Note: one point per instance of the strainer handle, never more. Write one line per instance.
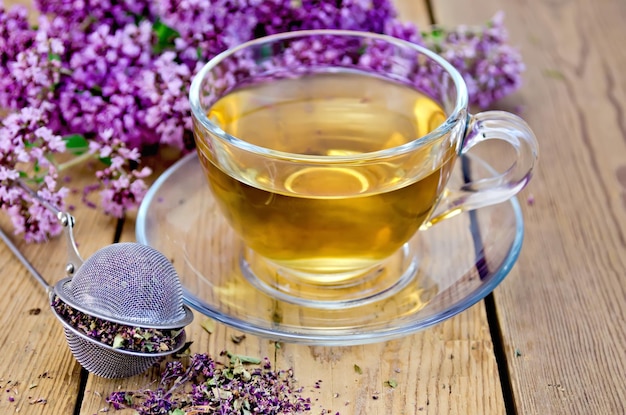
(74, 261)
(25, 262)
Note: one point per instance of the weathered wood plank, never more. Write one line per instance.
(38, 370)
(563, 308)
(413, 11)
(449, 369)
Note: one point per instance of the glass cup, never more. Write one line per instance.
(328, 150)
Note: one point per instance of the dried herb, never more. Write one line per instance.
(242, 358)
(206, 386)
(358, 369)
(116, 335)
(237, 339)
(208, 325)
(184, 351)
(392, 383)
(554, 74)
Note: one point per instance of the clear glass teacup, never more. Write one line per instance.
(327, 151)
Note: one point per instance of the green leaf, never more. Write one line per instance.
(243, 359)
(176, 411)
(165, 36)
(118, 341)
(77, 144)
(96, 90)
(392, 383)
(434, 38)
(266, 51)
(106, 160)
(437, 33)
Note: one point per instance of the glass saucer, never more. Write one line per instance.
(460, 261)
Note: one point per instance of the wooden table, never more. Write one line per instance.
(551, 339)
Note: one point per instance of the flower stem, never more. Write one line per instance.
(75, 161)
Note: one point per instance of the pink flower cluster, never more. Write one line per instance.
(123, 187)
(25, 141)
(116, 74)
(491, 67)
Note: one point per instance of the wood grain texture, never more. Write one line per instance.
(36, 361)
(37, 368)
(449, 369)
(413, 11)
(563, 308)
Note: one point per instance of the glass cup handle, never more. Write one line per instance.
(491, 125)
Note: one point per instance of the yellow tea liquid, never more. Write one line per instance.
(327, 219)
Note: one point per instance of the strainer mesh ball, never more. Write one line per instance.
(105, 362)
(130, 282)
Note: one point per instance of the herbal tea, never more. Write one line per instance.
(316, 218)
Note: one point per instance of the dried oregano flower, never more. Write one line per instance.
(118, 336)
(206, 386)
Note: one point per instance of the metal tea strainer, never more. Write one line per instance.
(129, 284)
(125, 283)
